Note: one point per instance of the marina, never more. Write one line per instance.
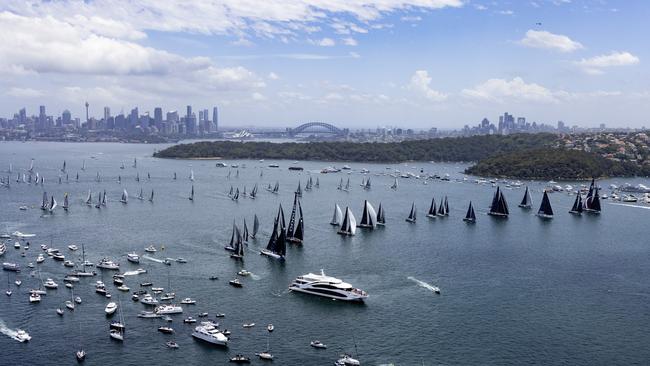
(488, 276)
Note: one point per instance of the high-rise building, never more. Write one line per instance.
(107, 114)
(133, 118)
(158, 118)
(66, 117)
(189, 112)
(42, 118)
(215, 119)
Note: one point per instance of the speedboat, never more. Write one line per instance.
(22, 336)
(207, 332)
(133, 257)
(322, 285)
(347, 360)
(248, 325)
(318, 344)
(49, 283)
(188, 301)
(110, 308)
(40, 259)
(106, 263)
(235, 283)
(150, 249)
(171, 344)
(149, 300)
(266, 355)
(166, 330)
(72, 247)
(81, 355)
(148, 314)
(270, 327)
(243, 273)
(33, 297)
(240, 359)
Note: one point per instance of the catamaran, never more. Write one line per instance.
(369, 216)
(348, 224)
(526, 201)
(470, 216)
(499, 206)
(545, 211)
(576, 209)
(412, 215)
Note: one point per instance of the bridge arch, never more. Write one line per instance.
(316, 127)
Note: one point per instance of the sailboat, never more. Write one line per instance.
(99, 200)
(231, 192)
(412, 215)
(295, 232)
(432, 209)
(135, 162)
(119, 179)
(577, 205)
(63, 167)
(317, 185)
(369, 216)
(348, 224)
(80, 354)
(446, 206)
(470, 217)
(394, 186)
(253, 193)
(98, 177)
(526, 201)
(277, 246)
(337, 218)
(137, 176)
(499, 206)
(238, 245)
(125, 197)
(104, 198)
(545, 211)
(174, 175)
(31, 166)
(381, 220)
(309, 184)
(89, 199)
(276, 188)
(11, 168)
(367, 185)
(66, 203)
(235, 197)
(192, 175)
(83, 165)
(298, 190)
(441, 209)
(44, 203)
(347, 186)
(151, 197)
(122, 165)
(233, 238)
(118, 333)
(340, 186)
(266, 355)
(191, 197)
(256, 226)
(53, 205)
(245, 235)
(141, 195)
(77, 178)
(592, 201)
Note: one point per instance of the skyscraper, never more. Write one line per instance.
(42, 118)
(107, 113)
(215, 118)
(158, 118)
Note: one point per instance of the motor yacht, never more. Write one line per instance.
(188, 301)
(326, 286)
(123, 288)
(110, 308)
(347, 360)
(49, 283)
(240, 359)
(207, 332)
(189, 320)
(149, 300)
(166, 330)
(58, 257)
(168, 309)
(13, 267)
(72, 247)
(40, 259)
(70, 278)
(133, 257)
(318, 344)
(106, 263)
(68, 263)
(150, 249)
(235, 283)
(33, 297)
(248, 325)
(148, 314)
(22, 336)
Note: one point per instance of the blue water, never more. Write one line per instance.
(572, 290)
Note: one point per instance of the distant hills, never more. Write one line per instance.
(524, 156)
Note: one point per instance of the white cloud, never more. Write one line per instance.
(502, 91)
(23, 92)
(595, 65)
(273, 76)
(547, 40)
(349, 41)
(258, 96)
(420, 82)
(324, 42)
(480, 7)
(506, 12)
(411, 18)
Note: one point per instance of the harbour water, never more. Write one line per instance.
(572, 290)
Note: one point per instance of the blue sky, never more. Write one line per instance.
(356, 63)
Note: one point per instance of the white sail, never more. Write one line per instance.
(125, 197)
(338, 215)
(372, 215)
(53, 204)
(353, 222)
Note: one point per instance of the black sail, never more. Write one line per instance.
(380, 215)
(470, 216)
(577, 204)
(365, 216)
(432, 208)
(526, 202)
(545, 207)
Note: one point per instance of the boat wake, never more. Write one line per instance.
(255, 277)
(131, 273)
(424, 284)
(152, 259)
(629, 205)
(7, 331)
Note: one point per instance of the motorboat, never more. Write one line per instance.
(248, 325)
(181, 260)
(203, 315)
(270, 327)
(133, 257)
(69, 285)
(171, 344)
(116, 324)
(166, 330)
(68, 263)
(188, 301)
(22, 336)
(244, 273)
(235, 283)
(189, 320)
(9, 266)
(58, 257)
(207, 332)
(69, 304)
(168, 309)
(77, 299)
(40, 259)
(70, 278)
(150, 249)
(59, 311)
(145, 284)
(116, 334)
(326, 286)
(220, 315)
(106, 263)
(240, 359)
(34, 297)
(81, 355)
(266, 355)
(347, 360)
(110, 308)
(148, 314)
(72, 247)
(149, 300)
(49, 283)
(318, 344)
(135, 297)
(123, 288)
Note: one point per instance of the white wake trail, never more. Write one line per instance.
(423, 284)
(152, 259)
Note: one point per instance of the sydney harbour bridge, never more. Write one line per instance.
(313, 128)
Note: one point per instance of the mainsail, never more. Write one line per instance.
(432, 208)
(577, 204)
(412, 215)
(470, 216)
(526, 201)
(349, 223)
(338, 215)
(545, 209)
(499, 206)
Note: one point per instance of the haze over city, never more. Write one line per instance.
(366, 63)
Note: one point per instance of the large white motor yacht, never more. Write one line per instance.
(209, 333)
(110, 308)
(327, 286)
(133, 257)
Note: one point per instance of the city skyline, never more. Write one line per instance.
(363, 64)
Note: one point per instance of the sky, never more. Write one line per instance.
(352, 63)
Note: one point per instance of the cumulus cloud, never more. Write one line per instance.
(421, 83)
(548, 40)
(324, 42)
(349, 41)
(501, 91)
(595, 65)
(23, 92)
